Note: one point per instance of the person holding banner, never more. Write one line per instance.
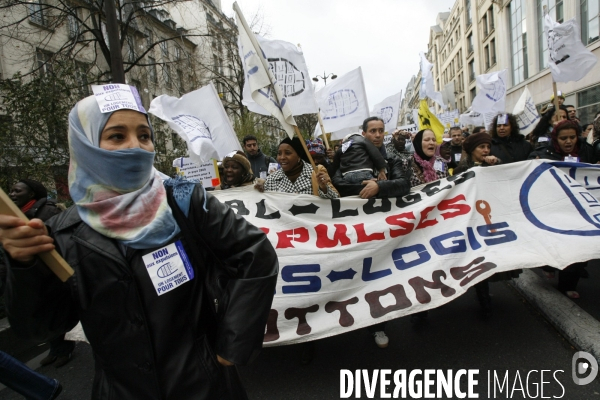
(397, 145)
(425, 165)
(171, 286)
(296, 174)
(507, 143)
(566, 145)
(236, 171)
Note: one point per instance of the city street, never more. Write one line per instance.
(516, 339)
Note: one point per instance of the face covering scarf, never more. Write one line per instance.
(119, 193)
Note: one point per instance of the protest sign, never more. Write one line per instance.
(427, 89)
(201, 121)
(287, 64)
(491, 93)
(343, 103)
(388, 110)
(428, 120)
(117, 96)
(471, 118)
(526, 113)
(349, 263)
(449, 118)
(412, 129)
(207, 173)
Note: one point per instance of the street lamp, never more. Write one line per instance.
(324, 77)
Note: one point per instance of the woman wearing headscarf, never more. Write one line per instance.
(236, 171)
(425, 165)
(171, 286)
(296, 174)
(507, 143)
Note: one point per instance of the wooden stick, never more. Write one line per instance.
(312, 162)
(323, 130)
(555, 96)
(52, 259)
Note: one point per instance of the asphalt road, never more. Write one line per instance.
(515, 339)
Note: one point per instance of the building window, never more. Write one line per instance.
(486, 52)
(152, 70)
(164, 49)
(471, 70)
(44, 62)
(37, 12)
(73, 26)
(490, 15)
(181, 81)
(588, 103)
(81, 78)
(468, 12)
(590, 26)
(518, 29)
(149, 39)
(473, 93)
(470, 44)
(167, 76)
(555, 9)
(484, 25)
(131, 49)
(493, 51)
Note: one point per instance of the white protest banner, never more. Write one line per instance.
(117, 96)
(427, 89)
(471, 118)
(207, 173)
(337, 135)
(343, 103)
(349, 263)
(263, 88)
(526, 113)
(412, 129)
(449, 118)
(388, 110)
(568, 59)
(491, 93)
(287, 64)
(200, 119)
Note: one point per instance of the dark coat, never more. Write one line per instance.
(455, 150)
(511, 149)
(43, 209)
(148, 346)
(586, 153)
(260, 163)
(362, 154)
(396, 185)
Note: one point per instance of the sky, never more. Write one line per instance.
(384, 37)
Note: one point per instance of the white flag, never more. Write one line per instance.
(200, 119)
(569, 60)
(286, 62)
(263, 88)
(471, 118)
(491, 93)
(388, 110)
(427, 89)
(343, 103)
(338, 134)
(526, 113)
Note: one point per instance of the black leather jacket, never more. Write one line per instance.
(148, 346)
(586, 153)
(396, 185)
(511, 149)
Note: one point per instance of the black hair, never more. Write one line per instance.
(568, 105)
(249, 137)
(454, 128)
(365, 124)
(478, 129)
(514, 126)
(543, 127)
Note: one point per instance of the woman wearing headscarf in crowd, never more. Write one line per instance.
(540, 136)
(296, 174)
(31, 197)
(507, 143)
(316, 148)
(476, 153)
(566, 145)
(236, 171)
(153, 337)
(425, 165)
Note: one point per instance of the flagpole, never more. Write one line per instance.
(323, 129)
(265, 64)
(555, 95)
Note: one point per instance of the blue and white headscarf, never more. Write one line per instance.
(118, 193)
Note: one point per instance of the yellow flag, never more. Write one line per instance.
(428, 120)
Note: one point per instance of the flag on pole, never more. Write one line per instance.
(338, 134)
(286, 62)
(471, 118)
(427, 89)
(526, 113)
(264, 89)
(343, 103)
(201, 121)
(428, 120)
(568, 59)
(388, 111)
(491, 93)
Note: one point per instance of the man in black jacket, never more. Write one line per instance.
(456, 143)
(397, 183)
(258, 161)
